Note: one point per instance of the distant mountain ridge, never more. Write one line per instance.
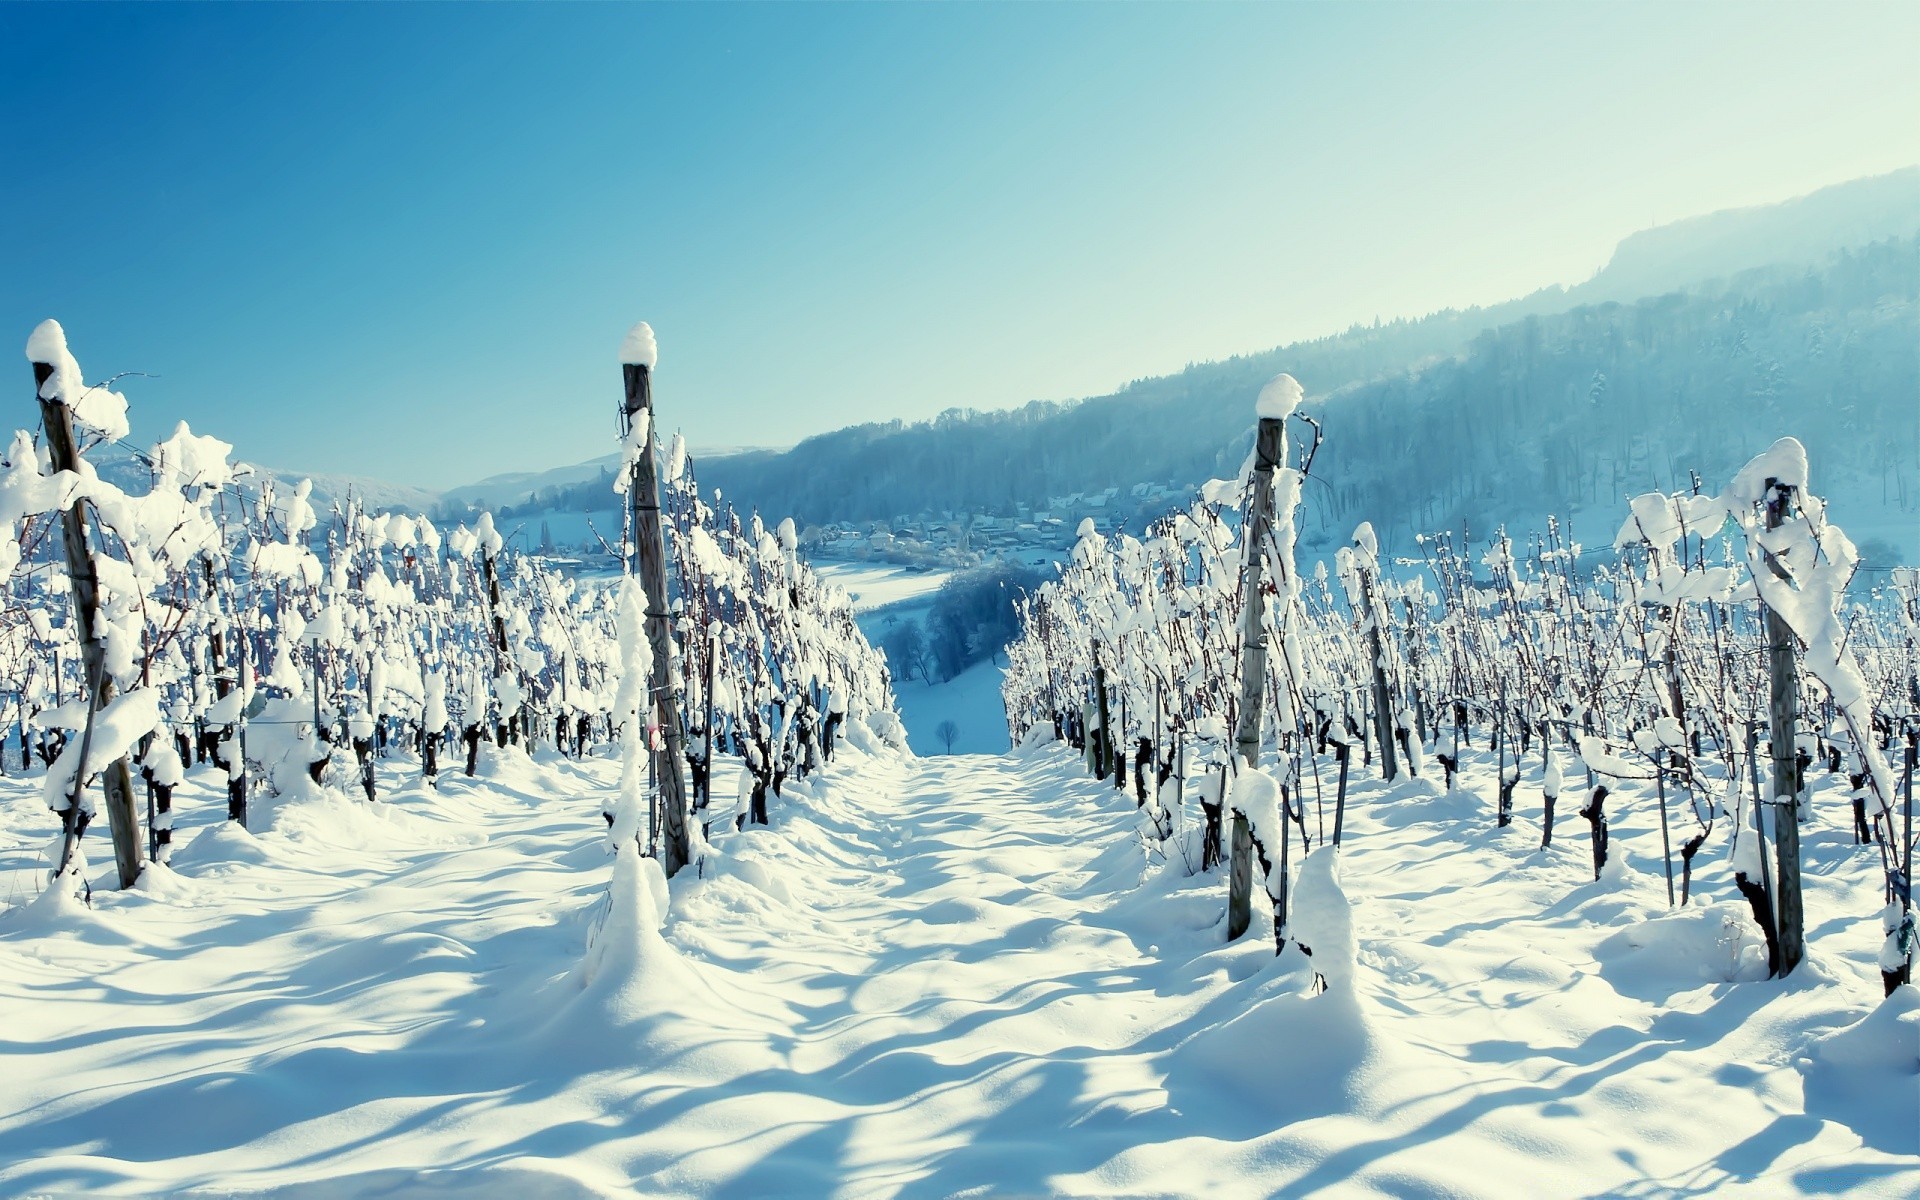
(1179, 429)
(999, 460)
(517, 487)
(1802, 231)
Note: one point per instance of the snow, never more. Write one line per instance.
(47, 343)
(639, 347)
(971, 700)
(97, 408)
(124, 720)
(632, 710)
(1279, 398)
(1322, 918)
(878, 585)
(935, 976)
(1784, 462)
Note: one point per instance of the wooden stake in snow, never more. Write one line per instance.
(1383, 721)
(117, 779)
(1781, 654)
(1103, 742)
(638, 356)
(1268, 448)
(1269, 445)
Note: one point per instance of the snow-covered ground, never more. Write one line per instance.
(885, 596)
(878, 585)
(971, 700)
(957, 975)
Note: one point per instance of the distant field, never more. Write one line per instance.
(876, 585)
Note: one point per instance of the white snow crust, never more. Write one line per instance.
(639, 347)
(944, 976)
(1279, 398)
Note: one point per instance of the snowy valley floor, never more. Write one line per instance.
(947, 976)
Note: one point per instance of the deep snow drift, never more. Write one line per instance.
(948, 976)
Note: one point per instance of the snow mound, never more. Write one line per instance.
(1679, 951)
(1039, 736)
(1296, 1051)
(1290, 1055)
(1867, 1075)
(56, 909)
(227, 843)
(1323, 919)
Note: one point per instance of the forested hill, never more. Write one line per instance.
(1557, 414)
(1425, 416)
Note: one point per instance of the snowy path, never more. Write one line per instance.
(897, 986)
(935, 977)
(956, 1013)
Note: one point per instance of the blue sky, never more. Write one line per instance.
(404, 241)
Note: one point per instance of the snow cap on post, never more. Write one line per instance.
(1783, 462)
(47, 343)
(1279, 398)
(1365, 542)
(639, 348)
(98, 408)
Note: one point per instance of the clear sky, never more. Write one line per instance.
(404, 241)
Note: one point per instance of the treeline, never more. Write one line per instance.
(1575, 411)
(972, 619)
(1563, 409)
(589, 495)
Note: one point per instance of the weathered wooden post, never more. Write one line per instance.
(1103, 743)
(1269, 447)
(225, 675)
(638, 354)
(1383, 720)
(497, 626)
(705, 793)
(1240, 878)
(1046, 657)
(117, 780)
(1783, 721)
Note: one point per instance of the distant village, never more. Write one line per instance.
(950, 539)
(946, 539)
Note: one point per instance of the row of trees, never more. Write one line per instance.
(202, 621)
(971, 619)
(1201, 654)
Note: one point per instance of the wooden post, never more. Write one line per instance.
(1660, 797)
(1240, 879)
(1268, 448)
(650, 548)
(1383, 721)
(706, 728)
(1269, 445)
(1783, 721)
(1103, 744)
(237, 773)
(1046, 656)
(117, 779)
(1343, 751)
(503, 662)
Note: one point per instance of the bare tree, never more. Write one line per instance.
(947, 732)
